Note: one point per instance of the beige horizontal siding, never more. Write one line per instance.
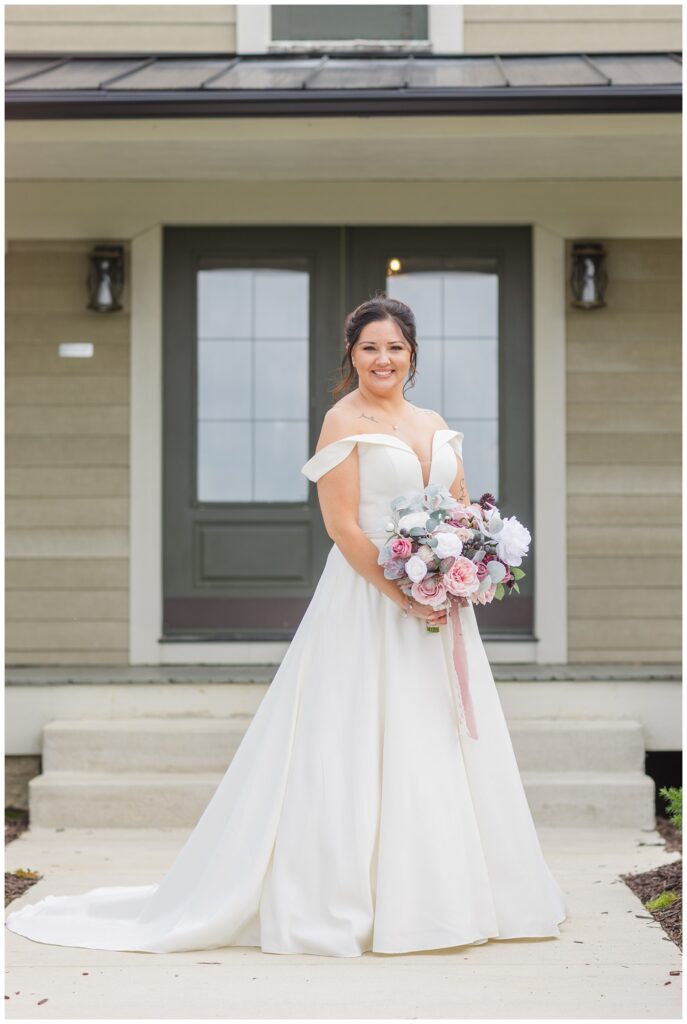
(67, 451)
(62, 638)
(624, 455)
(602, 571)
(613, 655)
(43, 481)
(612, 507)
(69, 543)
(608, 602)
(55, 391)
(551, 28)
(67, 464)
(38, 574)
(119, 28)
(100, 656)
(65, 605)
(614, 449)
(66, 512)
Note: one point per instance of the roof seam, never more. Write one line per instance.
(131, 71)
(596, 69)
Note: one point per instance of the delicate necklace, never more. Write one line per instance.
(374, 419)
(423, 462)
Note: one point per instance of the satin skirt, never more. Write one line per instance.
(354, 816)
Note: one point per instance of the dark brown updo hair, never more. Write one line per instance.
(379, 307)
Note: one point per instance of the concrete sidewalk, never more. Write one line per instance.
(610, 961)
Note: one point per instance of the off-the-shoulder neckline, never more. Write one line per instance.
(397, 441)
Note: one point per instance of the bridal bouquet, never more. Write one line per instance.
(441, 551)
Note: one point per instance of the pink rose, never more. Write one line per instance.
(481, 569)
(401, 547)
(485, 596)
(461, 579)
(430, 590)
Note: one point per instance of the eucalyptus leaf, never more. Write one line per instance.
(384, 554)
(497, 571)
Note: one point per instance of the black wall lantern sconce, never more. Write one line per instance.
(588, 277)
(106, 278)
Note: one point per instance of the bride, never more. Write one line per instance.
(357, 813)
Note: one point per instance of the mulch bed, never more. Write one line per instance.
(650, 884)
(16, 822)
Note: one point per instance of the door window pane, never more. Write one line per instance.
(252, 412)
(456, 306)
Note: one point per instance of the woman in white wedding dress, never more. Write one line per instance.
(357, 813)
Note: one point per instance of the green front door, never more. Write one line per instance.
(470, 289)
(253, 336)
(251, 324)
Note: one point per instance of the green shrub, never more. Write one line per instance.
(673, 798)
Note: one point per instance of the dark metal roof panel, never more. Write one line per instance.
(359, 74)
(445, 73)
(660, 69)
(78, 74)
(549, 72)
(267, 74)
(171, 75)
(328, 84)
(19, 69)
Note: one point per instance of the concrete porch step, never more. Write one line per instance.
(64, 799)
(188, 744)
(578, 744)
(159, 799)
(588, 798)
(143, 744)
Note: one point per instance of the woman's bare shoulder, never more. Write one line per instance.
(432, 417)
(339, 421)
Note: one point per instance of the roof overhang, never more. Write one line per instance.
(315, 85)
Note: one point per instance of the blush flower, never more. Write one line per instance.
(401, 547)
(461, 579)
(430, 591)
(481, 569)
(485, 596)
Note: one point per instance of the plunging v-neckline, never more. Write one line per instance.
(384, 433)
(420, 461)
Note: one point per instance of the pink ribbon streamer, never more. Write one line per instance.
(460, 662)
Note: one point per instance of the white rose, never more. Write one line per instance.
(514, 541)
(416, 568)
(412, 519)
(448, 545)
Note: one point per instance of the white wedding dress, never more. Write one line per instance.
(357, 814)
